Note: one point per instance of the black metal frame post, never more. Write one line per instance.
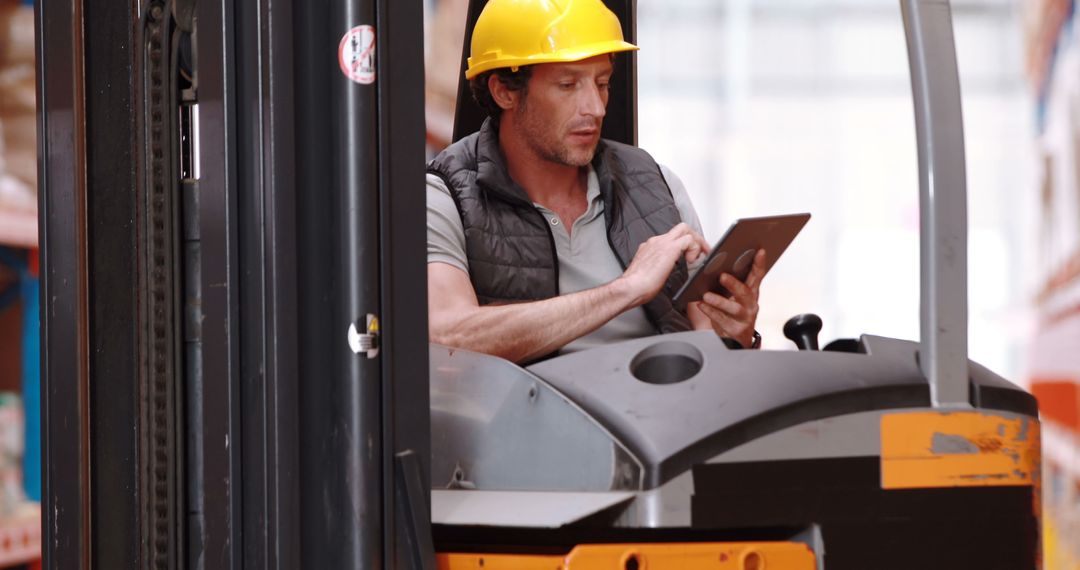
(360, 161)
(329, 504)
(355, 156)
(360, 253)
(403, 260)
(214, 445)
(111, 164)
(266, 220)
(63, 242)
(90, 335)
(244, 379)
(316, 302)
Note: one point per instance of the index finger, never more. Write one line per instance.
(698, 251)
(705, 247)
(680, 229)
(691, 248)
(683, 229)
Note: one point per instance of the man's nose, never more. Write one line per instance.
(593, 104)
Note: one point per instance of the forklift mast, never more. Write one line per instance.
(235, 362)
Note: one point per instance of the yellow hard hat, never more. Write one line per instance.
(512, 33)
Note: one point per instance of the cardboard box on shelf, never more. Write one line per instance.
(18, 123)
(11, 453)
(443, 69)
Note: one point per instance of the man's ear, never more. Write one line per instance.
(505, 98)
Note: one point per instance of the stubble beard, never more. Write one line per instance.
(548, 145)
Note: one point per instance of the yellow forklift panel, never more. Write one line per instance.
(958, 449)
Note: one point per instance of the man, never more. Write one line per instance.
(541, 236)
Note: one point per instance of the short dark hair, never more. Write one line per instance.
(513, 80)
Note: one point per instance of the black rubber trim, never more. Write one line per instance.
(1004, 399)
(558, 541)
(864, 526)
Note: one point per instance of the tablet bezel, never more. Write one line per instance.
(772, 233)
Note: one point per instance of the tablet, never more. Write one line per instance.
(734, 254)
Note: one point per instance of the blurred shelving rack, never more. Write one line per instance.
(20, 530)
(21, 527)
(18, 228)
(20, 537)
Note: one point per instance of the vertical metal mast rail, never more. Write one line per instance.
(91, 505)
(356, 183)
(939, 129)
(359, 148)
(63, 241)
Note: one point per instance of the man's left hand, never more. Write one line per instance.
(734, 317)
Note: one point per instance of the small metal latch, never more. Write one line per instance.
(368, 342)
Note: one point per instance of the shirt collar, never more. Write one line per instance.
(592, 186)
(592, 190)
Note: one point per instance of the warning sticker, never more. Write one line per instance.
(356, 54)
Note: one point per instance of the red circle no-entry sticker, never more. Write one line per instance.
(356, 54)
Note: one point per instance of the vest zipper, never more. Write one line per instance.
(554, 249)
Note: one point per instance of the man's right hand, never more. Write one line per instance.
(656, 258)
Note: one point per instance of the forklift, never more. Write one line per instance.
(236, 372)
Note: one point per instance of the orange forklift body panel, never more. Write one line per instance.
(668, 556)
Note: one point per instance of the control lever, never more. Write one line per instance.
(803, 330)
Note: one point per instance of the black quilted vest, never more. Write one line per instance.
(509, 245)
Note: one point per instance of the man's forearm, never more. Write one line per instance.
(523, 331)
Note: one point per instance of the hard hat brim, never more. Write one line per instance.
(561, 56)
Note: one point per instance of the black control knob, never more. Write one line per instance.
(803, 330)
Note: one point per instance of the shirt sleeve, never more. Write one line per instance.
(683, 204)
(682, 199)
(445, 233)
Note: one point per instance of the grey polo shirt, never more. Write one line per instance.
(585, 257)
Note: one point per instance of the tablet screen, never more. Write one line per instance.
(734, 254)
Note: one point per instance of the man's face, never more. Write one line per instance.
(561, 113)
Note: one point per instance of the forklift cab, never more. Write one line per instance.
(236, 375)
(871, 453)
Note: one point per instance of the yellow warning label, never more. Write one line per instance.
(958, 449)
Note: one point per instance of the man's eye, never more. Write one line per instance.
(567, 85)
(603, 86)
